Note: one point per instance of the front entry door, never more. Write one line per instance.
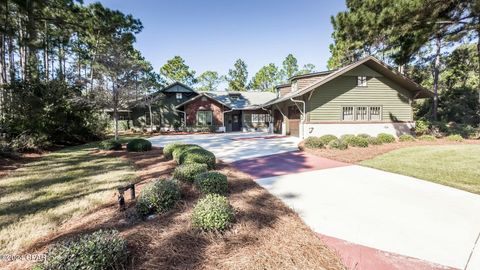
(236, 123)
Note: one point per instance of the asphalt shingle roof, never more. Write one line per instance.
(242, 100)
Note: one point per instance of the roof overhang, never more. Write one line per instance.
(199, 96)
(417, 90)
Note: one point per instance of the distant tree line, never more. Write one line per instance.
(237, 78)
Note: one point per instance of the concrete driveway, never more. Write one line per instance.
(374, 219)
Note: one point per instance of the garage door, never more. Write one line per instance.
(293, 121)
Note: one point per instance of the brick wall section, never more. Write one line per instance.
(304, 82)
(204, 104)
(284, 90)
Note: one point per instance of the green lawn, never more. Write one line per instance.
(452, 165)
(40, 196)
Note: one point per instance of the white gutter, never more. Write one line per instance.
(303, 115)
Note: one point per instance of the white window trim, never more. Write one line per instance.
(362, 81)
(206, 119)
(355, 108)
(179, 95)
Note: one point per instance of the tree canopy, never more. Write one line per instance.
(238, 76)
(176, 70)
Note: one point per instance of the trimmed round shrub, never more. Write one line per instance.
(338, 144)
(180, 149)
(110, 145)
(386, 138)
(358, 142)
(364, 135)
(313, 142)
(139, 145)
(325, 139)
(158, 196)
(406, 138)
(422, 126)
(211, 182)
(428, 138)
(198, 156)
(169, 148)
(455, 138)
(212, 213)
(187, 172)
(347, 137)
(104, 249)
(374, 141)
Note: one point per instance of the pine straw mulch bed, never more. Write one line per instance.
(358, 154)
(266, 235)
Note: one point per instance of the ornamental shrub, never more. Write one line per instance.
(364, 135)
(429, 138)
(212, 213)
(211, 182)
(104, 249)
(158, 196)
(338, 144)
(180, 149)
(422, 126)
(358, 142)
(374, 141)
(198, 155)
(169, 148)
(187, 172)
(110, 145)
(313, 142)
(386, 138)
(455, 138)
(325, 139)
(347, 137)
(406, 138)
(139, 145)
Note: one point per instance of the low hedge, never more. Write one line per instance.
(198, 155)
(358, 142)
(428, 138)
(374, 141)
(187, 172)
(212, 213)
(180, 149)
(169, 148)
(158, 196)
(110, 145)
(364, 135)
(347, 137)
(104, 249)
(455, 138)
(406, 138)
(326, 139)
(139, 145)
(211, 182)
(386, 138)
(313, 143)
(338, 144)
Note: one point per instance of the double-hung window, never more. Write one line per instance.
(361, 113)
(204, 118)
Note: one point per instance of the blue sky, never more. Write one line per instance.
(212, 34)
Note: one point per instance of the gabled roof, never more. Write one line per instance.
(373, 63)
(172, 89)
(237, 100)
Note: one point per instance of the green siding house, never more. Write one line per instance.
(363, 97)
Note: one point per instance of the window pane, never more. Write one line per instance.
(362, 81)
(375, 113)
(361, 113)
(209, 117)
(347, 113)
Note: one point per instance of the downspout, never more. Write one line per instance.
(303, 115)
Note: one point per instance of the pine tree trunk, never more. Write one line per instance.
(3, 77)
(45, 54)
(478, 54)
(115, 110)
(436, 71)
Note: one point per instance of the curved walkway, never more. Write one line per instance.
(374, 219)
